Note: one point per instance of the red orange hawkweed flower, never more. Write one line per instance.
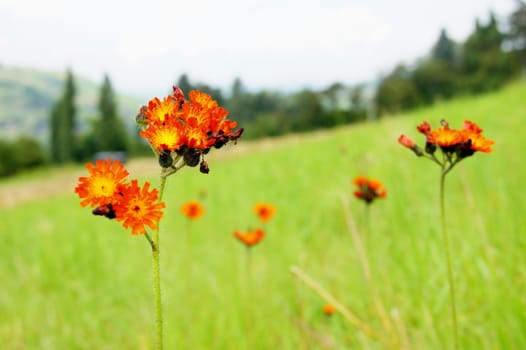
(139, 208)
(250, 237)
(182, 132)
(264, 211)
(102, 186)
(192, 210)
(369, 189)
(457, 144)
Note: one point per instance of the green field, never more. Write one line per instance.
(69, 280)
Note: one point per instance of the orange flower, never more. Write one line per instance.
(159, 111)
(445, 137)
(470, 126)
(264, 211)
(328, 309)
(102, 186)
(477, 142)
(192, 210)
(139, 208)
(250, 237)
(369, 189)
(165, 136)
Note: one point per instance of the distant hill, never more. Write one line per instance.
(27, 95)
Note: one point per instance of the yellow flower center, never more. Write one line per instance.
(102, 186)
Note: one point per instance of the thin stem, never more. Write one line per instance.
(329, 298)
(157, 277)
(448, 256)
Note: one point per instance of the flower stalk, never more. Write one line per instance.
(455, 146)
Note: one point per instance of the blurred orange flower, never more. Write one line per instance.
(328, 309)
(102, 186)
(250, 237)
(192, 210)
(457, 144)
(264, 211)
(139, 208)
(369, 189)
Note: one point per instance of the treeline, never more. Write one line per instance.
(67, 142)
(486, 60)
(271, 113)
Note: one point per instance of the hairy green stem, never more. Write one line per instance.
(448, 256)
(157, 277)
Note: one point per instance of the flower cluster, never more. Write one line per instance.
(182, 132)
(106, 190)
(192, 210)
(455, 144)
(369, 189)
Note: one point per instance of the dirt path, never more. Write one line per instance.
(63, 181)
(59, 182)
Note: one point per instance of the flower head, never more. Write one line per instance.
(445, 137)
(250, 237)
(139, 208)
(175, 127)
(165, 136)
(456, 144)
(369, 189)
(103, 185)
(192, 210)
(264, 211)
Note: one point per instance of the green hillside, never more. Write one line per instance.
(74, 281)
(26, 96)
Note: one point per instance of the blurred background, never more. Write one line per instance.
(71, 71)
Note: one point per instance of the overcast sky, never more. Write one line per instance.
(281, 44)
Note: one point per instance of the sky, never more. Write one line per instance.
(144, 46)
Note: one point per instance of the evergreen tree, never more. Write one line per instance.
(184, 84)
(109, 132)
(517, 32)
(444, 49)
(485, 65)
(62, 123)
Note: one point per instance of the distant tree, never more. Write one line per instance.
(305, 111)
(184, 84)
(517, 32)
(28, 153)
(444, 49)
(397, 92)
(8, 164)
(63, 114)
(485, 65)
(109, 132)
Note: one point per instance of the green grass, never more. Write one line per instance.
(69, 280)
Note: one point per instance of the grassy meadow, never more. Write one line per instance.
(69, 280)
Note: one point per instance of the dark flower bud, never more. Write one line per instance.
(178, 95)
(104, 210)
(430, 148)
(191, 156)
(203, 167)
(165, 159)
